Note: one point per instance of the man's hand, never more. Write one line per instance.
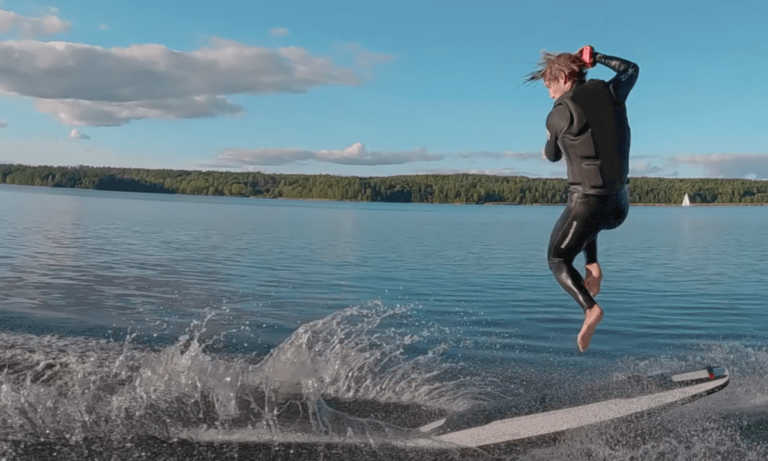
(594, 279)
(587, 55)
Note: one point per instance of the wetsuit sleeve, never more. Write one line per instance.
(557, 122)
(626, 74)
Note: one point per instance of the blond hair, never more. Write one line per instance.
(554, 66)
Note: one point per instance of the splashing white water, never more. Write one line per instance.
(70, 388)
(319, 387)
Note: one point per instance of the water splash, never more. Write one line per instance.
(348, 379)
(342, 356)
(69, 389)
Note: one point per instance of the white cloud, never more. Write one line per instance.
(522, 155)
(76, 134)
(366, 58)
(63, 70)
(90, 113)
(750, 166)
(279, 31)
(645, 169)
(356, 154)
(264, 156)
(556, 174)
(728, 165)
(103, 27)
(3, 123)
(29, 27)
(500, 155)
(487, 171)
(79, 83)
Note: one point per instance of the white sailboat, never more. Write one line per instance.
(686, 201)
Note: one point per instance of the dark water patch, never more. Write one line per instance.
(152, 448)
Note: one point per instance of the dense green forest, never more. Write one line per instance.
(456, 188)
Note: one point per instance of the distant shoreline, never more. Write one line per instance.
(699, 204)
(631, 204)
(453, 189)
(508, 204)
(262, 197)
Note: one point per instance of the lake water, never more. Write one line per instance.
(142, 326)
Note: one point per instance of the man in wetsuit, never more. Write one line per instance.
(588, 126)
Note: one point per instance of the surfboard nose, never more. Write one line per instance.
(717, 372)
(709, 372)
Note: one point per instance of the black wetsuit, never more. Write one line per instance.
(588, 126)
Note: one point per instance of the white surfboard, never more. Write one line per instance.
(680, 388)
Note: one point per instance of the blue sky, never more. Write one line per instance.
(370, 88)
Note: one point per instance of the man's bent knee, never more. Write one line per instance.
(557, 266)
(569, 279)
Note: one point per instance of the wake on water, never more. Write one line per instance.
(342, 387)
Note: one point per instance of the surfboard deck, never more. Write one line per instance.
(630, 396)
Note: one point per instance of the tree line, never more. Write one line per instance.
(454, 188)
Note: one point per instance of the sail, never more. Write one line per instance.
(686, 201)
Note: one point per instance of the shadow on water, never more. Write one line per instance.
(344, 388)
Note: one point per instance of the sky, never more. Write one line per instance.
(371, 88)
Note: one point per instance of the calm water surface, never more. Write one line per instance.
(142, 326)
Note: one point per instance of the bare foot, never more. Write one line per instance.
(593, 317)
(594, 279)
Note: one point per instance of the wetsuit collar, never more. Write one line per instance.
(569, 92)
